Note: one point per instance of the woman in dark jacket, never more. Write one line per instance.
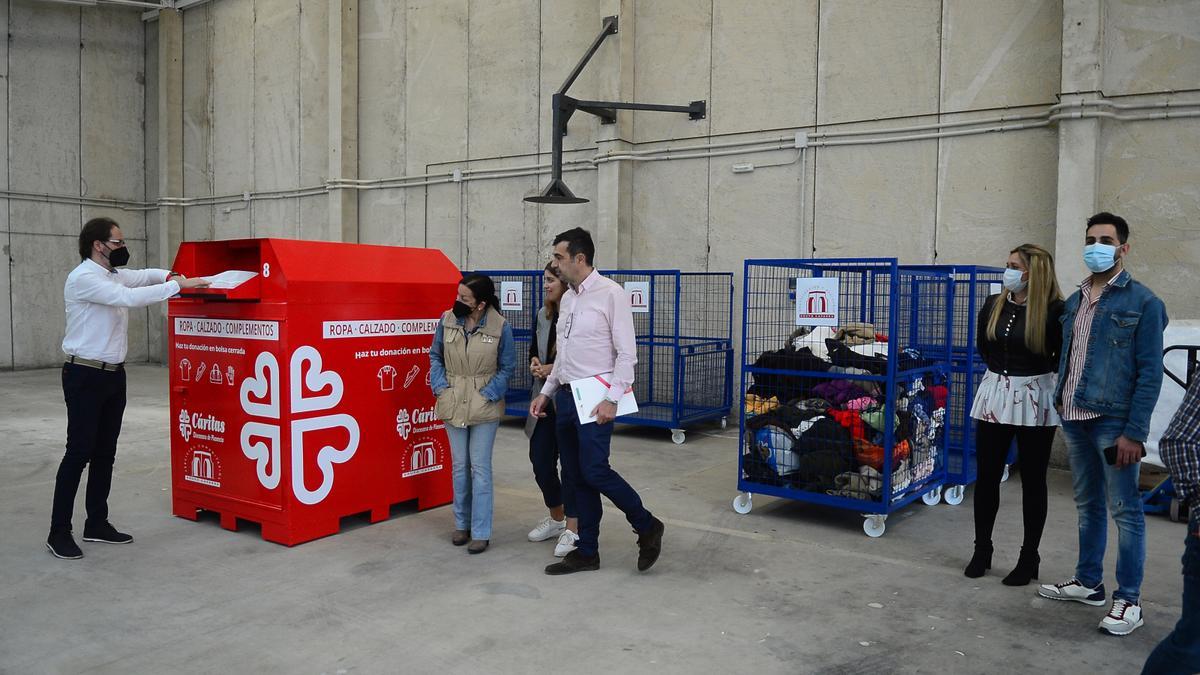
(543, 444)
(1019, 337)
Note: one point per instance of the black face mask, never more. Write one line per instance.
(118, 257)
(461, 309)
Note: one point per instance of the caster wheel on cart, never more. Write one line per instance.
(743, 503)
(724, 422)
(1174, 512)
(1004, 476)
(954, 496)
(932, 497)
(874, 526)
(678, 436)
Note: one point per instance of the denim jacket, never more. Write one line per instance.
(1123, 370)
(496, 387)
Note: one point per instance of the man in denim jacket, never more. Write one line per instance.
(1110, 373)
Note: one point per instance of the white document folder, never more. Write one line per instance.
(590, 391)
(230, 278)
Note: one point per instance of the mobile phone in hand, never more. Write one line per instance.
(1110, 454)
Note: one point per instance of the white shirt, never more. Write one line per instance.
(98, 303)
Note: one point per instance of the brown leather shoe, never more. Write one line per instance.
(460, 537)
(477, 546)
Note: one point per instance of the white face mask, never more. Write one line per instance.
(1013, 281)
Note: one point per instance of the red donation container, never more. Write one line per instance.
(299, 383)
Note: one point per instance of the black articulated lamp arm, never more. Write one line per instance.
(563, 107)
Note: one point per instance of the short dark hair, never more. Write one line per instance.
(1106, 218)
(578, 241)
(96, 229)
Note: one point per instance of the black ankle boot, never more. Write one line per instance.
(1025, 571)
(980, 562)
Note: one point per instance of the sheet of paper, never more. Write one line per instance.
(588, 393)
(230, 278)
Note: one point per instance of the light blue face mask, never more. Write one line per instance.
(1013, 281)
(1099, 257)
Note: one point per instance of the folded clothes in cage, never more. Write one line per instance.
(816, 449)
(786, 386)
(940, 393)
(774, 445)
(786, 416)
(870, 454)
(875, 418)
(855, 333)
(911, 359)
(815, 406)
(757, 405)
(867, 482)
(842, 355)
(839, 392)
(852, 421)
(854, 336)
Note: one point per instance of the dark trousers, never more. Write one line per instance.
(543, 455)
(992, 442)
(584, 450)
(95, 405)
(1179, 652)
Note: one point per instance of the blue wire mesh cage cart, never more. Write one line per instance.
(972, 286)
(845, 368)
(684, 326)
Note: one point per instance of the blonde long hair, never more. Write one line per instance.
(1042, 291)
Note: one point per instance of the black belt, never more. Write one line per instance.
(98, 365)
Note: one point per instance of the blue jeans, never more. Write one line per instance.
(543, 455)
(583, 450)
(1179, 652)
(471, 451)
(1099, 485)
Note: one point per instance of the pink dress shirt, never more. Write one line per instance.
(595, 336)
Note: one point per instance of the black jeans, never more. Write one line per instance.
(992, 442)
(95, 405)
(543, 455)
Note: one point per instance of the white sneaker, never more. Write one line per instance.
(547, 529)
(566, 543)
(1074, 590)
(1123, 617)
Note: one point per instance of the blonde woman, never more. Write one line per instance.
(558, 494)
(1019, 337)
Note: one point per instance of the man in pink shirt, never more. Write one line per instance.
(595, 338)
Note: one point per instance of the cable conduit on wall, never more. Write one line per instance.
(1163, 110)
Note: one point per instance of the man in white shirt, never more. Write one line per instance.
(98, 297)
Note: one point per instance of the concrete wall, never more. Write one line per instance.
(74, 111)
(269, 98)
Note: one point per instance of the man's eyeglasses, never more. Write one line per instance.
(116, 242)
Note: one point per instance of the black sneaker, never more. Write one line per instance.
(650, 545)
(574, 562)
(63, 545)
(105, 533)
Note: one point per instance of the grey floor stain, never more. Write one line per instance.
(520, 590)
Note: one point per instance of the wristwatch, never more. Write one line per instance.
(609, 400)
(173, 274)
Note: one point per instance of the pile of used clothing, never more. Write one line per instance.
(815, 426)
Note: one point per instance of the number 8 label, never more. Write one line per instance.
(266, 269)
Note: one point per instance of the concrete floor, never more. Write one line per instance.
(789, 588)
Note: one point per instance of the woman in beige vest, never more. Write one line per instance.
(470, 363)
